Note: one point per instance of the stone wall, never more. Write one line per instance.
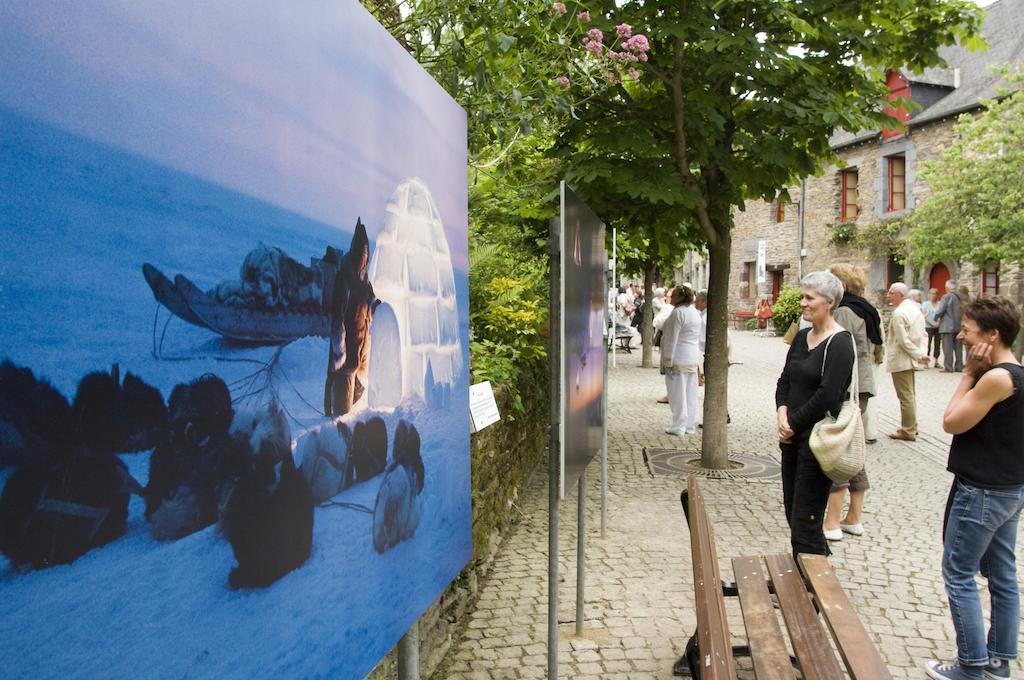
(822, 211)
(504, 456)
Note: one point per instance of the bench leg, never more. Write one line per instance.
(688, 665)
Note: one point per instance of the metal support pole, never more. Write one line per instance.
(581, 543)
(554, 447)
(614, 285)
(604, 447)
(409, 654)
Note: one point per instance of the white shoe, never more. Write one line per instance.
(834, 534)
(689, 431)
(673, 431)
(852, 529)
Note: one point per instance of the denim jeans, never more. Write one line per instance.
(981, 535)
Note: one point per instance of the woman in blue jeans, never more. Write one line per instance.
(986, 418)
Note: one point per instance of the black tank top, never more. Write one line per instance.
(990, 455)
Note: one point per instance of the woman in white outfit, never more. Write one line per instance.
(680, 357)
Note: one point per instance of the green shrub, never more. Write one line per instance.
(508, 315)
(842, 233)
(786, 309)
(751, 324)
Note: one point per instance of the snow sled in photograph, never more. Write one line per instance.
(236, 320)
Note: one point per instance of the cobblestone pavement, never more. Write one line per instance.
(639, 587)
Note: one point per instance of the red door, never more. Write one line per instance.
(776, 286)
(937, 279)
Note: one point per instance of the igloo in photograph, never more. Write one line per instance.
(411, 272)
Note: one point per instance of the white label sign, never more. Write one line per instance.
(762, 256)
(482, 407)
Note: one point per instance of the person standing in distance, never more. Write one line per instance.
(858, 316)
(680, 354)
(904, 347)
(986, 418)
(948, 314)
(931, 324)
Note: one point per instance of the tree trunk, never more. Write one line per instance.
(715, 444)
(647, 322)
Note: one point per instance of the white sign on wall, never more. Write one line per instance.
(762, 256)
(482, 407)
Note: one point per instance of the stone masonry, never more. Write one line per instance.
(822, 212)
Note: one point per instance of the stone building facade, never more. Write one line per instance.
(876, 181)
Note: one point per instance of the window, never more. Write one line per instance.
(990, 280)
(848, 196)
(897, 195)
(893, 271)
(748, 280)
(780, 211)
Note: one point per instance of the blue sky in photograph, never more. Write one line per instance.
(319, 128)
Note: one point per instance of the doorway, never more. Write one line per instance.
(776, 285)
(938, 277)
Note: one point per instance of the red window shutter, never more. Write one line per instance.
(899, 88)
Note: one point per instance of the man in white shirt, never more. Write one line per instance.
(905, 347)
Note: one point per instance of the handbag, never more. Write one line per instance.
(838, 442)
(791, 332)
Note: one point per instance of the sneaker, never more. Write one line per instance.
(954, 671)
(997, 669)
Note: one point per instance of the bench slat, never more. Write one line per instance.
(810, 642)
(767, 646)
(855, 646)
(715, 645)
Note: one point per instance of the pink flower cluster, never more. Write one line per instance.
(595, 47)
(584, 16)
(623, 56)
(563, 81)
(638, 44)
(559, 8)
(623, 30)
(595, 34)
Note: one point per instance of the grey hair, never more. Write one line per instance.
(913, 292)
(951, 285)
(701, 295)
(826, 284)
(899, 287)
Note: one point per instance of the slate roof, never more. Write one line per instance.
(1003, 29)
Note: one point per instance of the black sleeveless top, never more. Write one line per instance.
(990, 455)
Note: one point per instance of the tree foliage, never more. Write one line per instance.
(736, 100)
(720, 102)
(976, 210)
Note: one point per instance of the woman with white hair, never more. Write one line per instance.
(814, 381)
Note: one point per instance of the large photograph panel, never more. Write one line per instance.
(583, 328)
(234, 434)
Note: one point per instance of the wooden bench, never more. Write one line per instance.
(739, 319)
(623, 339)
(801, 593)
